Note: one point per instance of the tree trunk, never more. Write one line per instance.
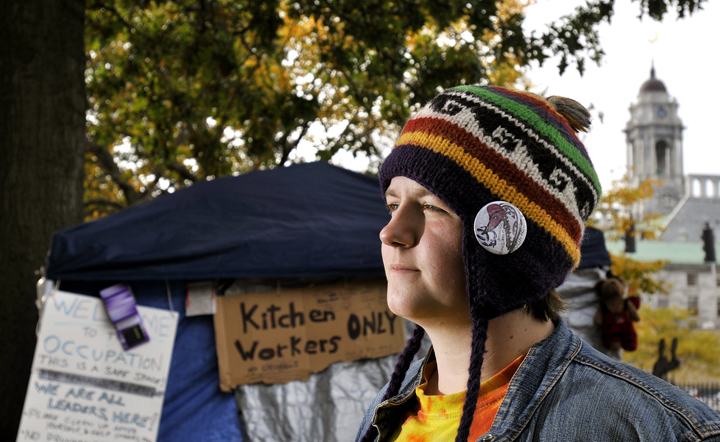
(42, 126)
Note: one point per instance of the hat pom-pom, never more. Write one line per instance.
(575, 113)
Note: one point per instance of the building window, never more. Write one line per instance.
(663, 302)
(696, 190)
(662, 154)
(717, 281)
(692, 279)
(693, 305)
(718, 308)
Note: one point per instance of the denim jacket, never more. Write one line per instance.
(565, 390)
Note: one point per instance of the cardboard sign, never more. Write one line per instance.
(280, 336)
(83, 386)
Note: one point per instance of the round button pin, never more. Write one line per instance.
(500, 227)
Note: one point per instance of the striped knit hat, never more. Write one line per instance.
(479, 148)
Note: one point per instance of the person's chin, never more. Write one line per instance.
(406, 305)
(398, 302)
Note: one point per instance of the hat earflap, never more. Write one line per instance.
(477, 355)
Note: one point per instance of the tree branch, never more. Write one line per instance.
(287, 148)
(107, 162)
(181, 170)
(117, 15)
(103, 202)
(333, 147)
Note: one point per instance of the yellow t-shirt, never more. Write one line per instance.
(437, 418)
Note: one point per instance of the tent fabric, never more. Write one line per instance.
(194, 408)
(581, 304)
(580, 294)
(593, 250)
(307, 220)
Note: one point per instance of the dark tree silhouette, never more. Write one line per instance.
(42, 125)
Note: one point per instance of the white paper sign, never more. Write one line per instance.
(84, 387)
(200, 298)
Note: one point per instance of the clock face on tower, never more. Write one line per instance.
(661, 112)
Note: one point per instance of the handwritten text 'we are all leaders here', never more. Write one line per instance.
(84, 385)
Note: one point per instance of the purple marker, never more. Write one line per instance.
(122, 310)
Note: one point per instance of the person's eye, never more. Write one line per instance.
(432, 208)
(392, 207)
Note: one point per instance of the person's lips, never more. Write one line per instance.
(403, 268)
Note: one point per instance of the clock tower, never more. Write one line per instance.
(654, 147)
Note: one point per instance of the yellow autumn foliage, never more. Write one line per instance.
(697, 349)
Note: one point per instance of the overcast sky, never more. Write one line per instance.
(686, 59)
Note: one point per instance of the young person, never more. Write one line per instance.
(489, 190)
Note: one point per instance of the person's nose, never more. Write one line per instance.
(404, 229)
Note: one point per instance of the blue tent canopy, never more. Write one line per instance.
(304, 221)
(307, 220)
(593, 250)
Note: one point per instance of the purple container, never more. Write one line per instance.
(122, 310)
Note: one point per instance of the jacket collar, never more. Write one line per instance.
(387, 413)
(541, 369)
(543, 366)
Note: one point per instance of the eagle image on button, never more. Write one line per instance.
(500, 227)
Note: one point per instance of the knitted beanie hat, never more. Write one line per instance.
(510, 165)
